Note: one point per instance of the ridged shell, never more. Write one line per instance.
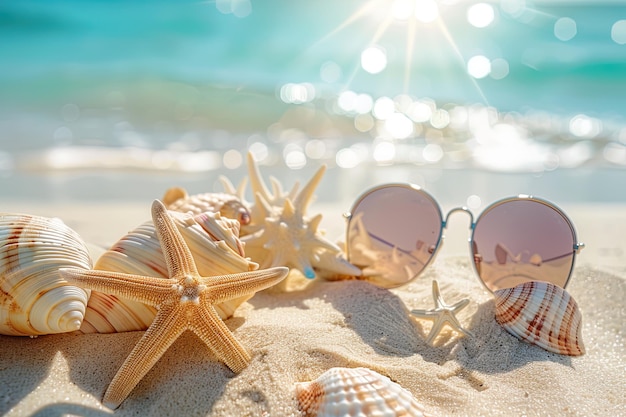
(34, 299)
(355, 392)
(543, 314)
(215, 247)
(227, 205)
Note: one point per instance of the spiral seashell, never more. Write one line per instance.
(355, 392)
(543, 314)
(34, 299)
(227, 205)
(215, 247)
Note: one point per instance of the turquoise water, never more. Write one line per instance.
(185, 82)
(55, 50)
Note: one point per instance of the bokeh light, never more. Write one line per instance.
(374, 59)
(499, 68)
(618, 32)
(440, 119)
(432, 153)
(399, 126)
(347, 158)
(403, 9)
(384, 152)
(426, 11)
(473, 201)
(330, 72)
(294, 156)
(297, 93)
(515, 8)
(384, 107)
(232, 159)
(315, 149)
(420, 111)
(584, 126)
(480, 15)
(364, 122)
(259, 150)
(478, 66)
(565, 29)
(239, 8)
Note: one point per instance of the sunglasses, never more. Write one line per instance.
(395, 230)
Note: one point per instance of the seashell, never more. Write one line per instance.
(227, 205)
(543, 314)
(355, 392)
(34, 299)
(215, 247)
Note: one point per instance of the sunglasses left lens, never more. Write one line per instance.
(393, 233)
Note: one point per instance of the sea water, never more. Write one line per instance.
(120, 99)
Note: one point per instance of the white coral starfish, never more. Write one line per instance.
(185, 301)
(281, 233)
(442, 314)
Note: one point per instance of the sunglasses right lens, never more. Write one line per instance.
(393, 233)
(523, 240)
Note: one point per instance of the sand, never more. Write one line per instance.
(295, 336)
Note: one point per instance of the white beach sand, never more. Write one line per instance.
(296, 336)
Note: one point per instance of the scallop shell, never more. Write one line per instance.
(215, 247)
(34, 299)
(227, 205)
(543, 314)
(355, 392)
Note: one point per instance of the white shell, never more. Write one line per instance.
(227, 205)
(34, 299)
(543, 314)
(355, 392)
(215, 247)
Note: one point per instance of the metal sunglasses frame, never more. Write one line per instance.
(577, 246)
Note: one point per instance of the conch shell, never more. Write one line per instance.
(34, 299)
(227, 205)
(215, 247)
(543, 314)
(355, 392)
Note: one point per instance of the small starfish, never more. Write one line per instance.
(442, 314)
(185, 301)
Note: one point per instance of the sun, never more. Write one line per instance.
(414, 15)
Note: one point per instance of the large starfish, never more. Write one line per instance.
(442, 314)
(184, 301)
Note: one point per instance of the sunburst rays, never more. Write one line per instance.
(418, 19)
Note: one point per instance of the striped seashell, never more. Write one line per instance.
(543, 314)
(355, 392)
(215, 247)
(227, 205)
(34, 299)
